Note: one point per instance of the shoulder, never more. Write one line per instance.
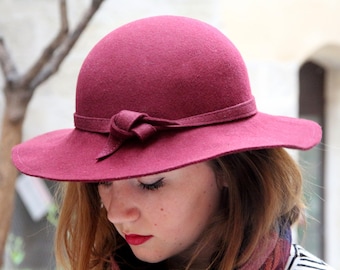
(300, 259)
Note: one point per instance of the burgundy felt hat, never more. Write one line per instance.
(154, 95)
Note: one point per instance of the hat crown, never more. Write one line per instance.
(155, 95)
(167, 66)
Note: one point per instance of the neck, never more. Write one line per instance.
(196, 265)
(196, 260)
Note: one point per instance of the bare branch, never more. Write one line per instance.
(50, 49)
(7, 65)
(68, 43)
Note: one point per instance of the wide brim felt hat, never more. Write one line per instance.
(155, 95)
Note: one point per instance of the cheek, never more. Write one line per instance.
(161, 214)
(213, 196)
(167, 217)
(188, 213)
(205, 207)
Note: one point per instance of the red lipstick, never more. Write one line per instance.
(135, 239)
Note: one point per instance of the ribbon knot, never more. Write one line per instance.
(126, 125)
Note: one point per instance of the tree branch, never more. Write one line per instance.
(62, 51)
(50, 49)
(7, 65)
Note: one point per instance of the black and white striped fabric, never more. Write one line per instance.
(300, 259)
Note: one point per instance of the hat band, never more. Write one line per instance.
(128, 124)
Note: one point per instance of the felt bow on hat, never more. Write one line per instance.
(128, 124)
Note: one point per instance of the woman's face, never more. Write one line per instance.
(162, 215)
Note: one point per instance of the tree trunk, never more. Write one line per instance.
(10, 136)
(18, 92)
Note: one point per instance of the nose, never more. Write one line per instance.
(120, 203)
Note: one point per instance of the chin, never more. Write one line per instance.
(150, 258)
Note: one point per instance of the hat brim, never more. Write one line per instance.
(71, 154)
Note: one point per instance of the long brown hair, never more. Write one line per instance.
(84, 236)
(262, 188)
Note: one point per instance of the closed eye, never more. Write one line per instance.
(105, 184)
(153, 186)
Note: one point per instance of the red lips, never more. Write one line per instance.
(135, 239)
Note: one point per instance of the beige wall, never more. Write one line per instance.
(284, 30)
(275, 37)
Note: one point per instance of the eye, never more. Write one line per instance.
(153, 186)
(105, 184)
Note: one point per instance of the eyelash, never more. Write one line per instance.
(105, 184)
(154, 186)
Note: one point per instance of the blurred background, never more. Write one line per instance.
(291, 48)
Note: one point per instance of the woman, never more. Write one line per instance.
(170, 165)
